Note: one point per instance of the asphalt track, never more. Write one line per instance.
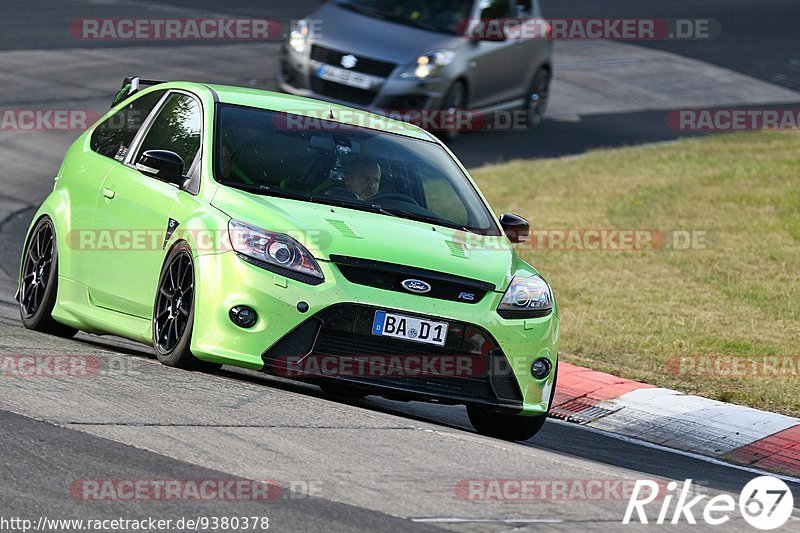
(376, 464)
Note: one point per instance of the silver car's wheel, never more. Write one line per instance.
(455, 101)
(536, 101)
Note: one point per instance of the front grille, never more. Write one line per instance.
(345, 93)
(389, 276)
(404, 103)
(365, 65)
(344, 331)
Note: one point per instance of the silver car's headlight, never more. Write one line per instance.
(299, 36)
(526, 297)
(428, 65)
(276, 252)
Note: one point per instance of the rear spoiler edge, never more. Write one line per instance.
(132, 85)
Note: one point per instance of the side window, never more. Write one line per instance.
(176, 128)
(495, 9)
(114, 136)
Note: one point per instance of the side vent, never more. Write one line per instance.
(344, 228)
(458, 249)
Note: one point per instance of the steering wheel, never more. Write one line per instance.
(394, 196)
(341, 193)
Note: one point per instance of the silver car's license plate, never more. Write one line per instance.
(345, 77)
(409, 328)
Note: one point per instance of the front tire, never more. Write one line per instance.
(173, 312)
(536, 98)
(39, 282)
(454, 102)
(504, 426)
(509, 427)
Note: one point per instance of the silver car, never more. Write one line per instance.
(421, 55)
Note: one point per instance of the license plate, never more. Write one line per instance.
(345, 77)
(409, 328)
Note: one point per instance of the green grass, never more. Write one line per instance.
(632, 312)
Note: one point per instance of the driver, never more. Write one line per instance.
(363, 177)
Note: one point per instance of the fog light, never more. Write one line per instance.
(540, 368)
(243, 316)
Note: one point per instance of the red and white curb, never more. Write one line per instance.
(742, 435)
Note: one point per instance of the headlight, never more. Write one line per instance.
(275, 252)
(526, 298)
(299, 36)
(428, 65)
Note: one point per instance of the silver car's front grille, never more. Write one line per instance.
(365, 65)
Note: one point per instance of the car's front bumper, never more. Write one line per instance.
(224, 281)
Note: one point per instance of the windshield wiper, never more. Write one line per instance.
(266, 190)
(430, 220)
(353, 204)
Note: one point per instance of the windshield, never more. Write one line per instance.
(441, 16)
(314, 160)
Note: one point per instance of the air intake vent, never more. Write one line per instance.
(458, 249)
(344, 228)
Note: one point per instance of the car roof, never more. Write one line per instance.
(315, 109)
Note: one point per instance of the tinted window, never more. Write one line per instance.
(324, 162)
(495, 9)
(114, 136)
(176, 128)
(441, 16)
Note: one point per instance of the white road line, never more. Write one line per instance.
(454, 520)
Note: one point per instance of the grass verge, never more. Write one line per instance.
(720, 319)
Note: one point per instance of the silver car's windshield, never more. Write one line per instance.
(315, 160)
(441, 16)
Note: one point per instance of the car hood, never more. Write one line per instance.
(327, 230)
(348, 31)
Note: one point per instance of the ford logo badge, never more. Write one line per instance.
(415, 285)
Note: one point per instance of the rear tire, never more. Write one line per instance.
(39, 282)
(173, 312)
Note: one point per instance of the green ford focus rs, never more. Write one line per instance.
(312, 241)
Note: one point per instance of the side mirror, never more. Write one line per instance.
(163, 165)
(517, 228)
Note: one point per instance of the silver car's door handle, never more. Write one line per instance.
(108, 193)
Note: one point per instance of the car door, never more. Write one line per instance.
(135, 210)
(83, 178)
(496, 67)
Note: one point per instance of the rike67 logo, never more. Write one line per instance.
(766, 503)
